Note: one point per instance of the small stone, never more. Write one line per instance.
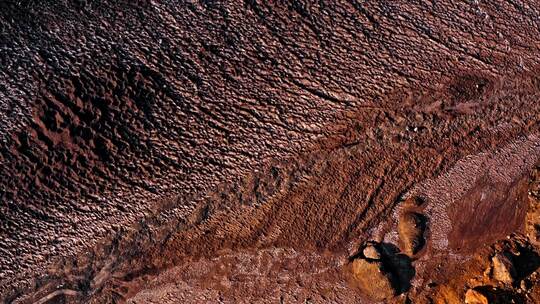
(503, 269)
(474, 297)
(370, 252)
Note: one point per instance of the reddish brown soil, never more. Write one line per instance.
(487, 213)
(166, 152)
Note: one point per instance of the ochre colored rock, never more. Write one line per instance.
(373, 280)
(503, 269)
(371, 252)
(475, 297)
(411, 232)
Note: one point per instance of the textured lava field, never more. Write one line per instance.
(160, 151)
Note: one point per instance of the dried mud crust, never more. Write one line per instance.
(159, 114)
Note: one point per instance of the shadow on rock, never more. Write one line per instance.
(400, 265)
(381, 271)
(525, 262)
(491, 295)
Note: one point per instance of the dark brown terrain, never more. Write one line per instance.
(159, 151)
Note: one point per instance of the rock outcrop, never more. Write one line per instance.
(381, 271)
(503, 269)
(411, 232)
(374, 279)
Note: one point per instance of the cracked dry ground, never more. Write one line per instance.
(283, 152)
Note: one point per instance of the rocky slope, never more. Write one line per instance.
(176, 152)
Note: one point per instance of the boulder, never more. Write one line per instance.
(373, 280)
(503, 269)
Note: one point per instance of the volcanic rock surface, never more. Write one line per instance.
(158, 151)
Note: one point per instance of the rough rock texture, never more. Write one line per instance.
(370, 251)
(191, 152)
(373, 279)
(503, 269)
(475, 297)
(411, 229)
